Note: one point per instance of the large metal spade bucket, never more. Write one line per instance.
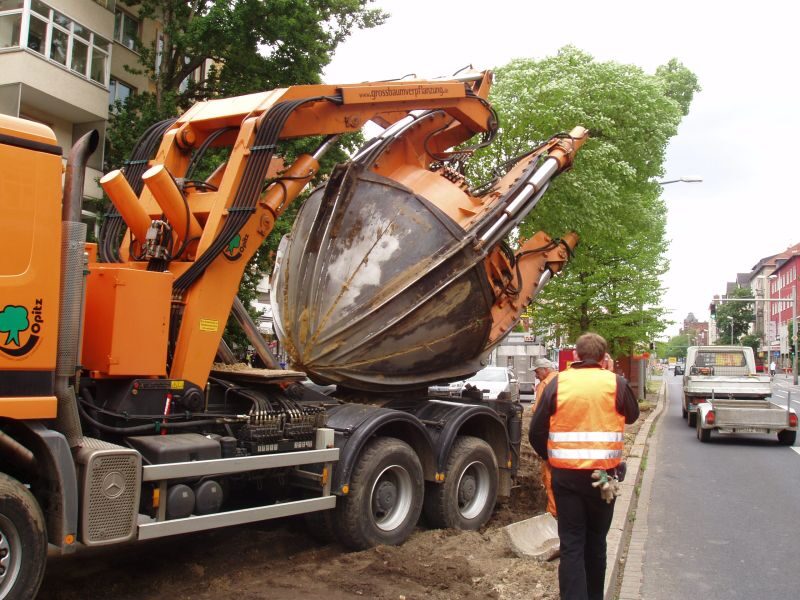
(377, 289)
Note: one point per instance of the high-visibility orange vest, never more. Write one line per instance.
(586, 431)
(543, 384)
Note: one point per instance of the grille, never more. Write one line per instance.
(111, 486)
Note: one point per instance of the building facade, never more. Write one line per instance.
(783, 293)
(62, 63)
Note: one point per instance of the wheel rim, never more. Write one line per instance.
(392, 496)
(473, 489)
(10, 555)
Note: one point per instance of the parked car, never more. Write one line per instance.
(679, 369)
(447, 389)
(493, 381)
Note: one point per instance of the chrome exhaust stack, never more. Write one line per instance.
(72, 294)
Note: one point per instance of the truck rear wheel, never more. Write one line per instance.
(466, 499)
(787, 438)
(23, 542)
(692, 420)
(385, 498)
(704, 435)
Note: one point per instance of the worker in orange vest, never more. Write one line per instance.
(578, 426)
(545, 372)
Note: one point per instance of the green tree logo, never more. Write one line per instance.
(236, 247)
(234, 244)
(13, 319)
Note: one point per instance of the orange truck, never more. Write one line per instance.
(117, 421)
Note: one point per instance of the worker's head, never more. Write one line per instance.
(542, 367)
(591, 346)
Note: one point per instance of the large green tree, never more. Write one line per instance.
(734, 316)
(611, 198)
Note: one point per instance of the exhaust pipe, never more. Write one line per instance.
(75, 176)
(71, 297)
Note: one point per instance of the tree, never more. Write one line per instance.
(753, 341)
(677, 346)
(611, 198)
(739, 313)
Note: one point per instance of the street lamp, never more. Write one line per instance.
(689, 179)
(731, 318)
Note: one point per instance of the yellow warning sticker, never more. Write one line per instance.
(176, 385)
(209, 325)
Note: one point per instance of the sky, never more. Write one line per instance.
(741, 135)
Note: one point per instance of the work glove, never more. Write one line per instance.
(608, 486)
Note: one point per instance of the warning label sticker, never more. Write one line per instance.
(209, 325)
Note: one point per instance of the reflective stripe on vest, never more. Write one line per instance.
(586, 431)
(584, 454)
(587, 436)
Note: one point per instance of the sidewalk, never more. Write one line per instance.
(630, 514)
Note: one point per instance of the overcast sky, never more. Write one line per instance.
(741, 135)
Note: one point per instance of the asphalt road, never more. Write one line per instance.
(723, 516)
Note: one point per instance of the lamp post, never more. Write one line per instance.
(731, 318)
(690, 179)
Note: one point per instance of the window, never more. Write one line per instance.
(119, 91)
(10, 22)
(60, 39)
(37, 35)
(126, 29)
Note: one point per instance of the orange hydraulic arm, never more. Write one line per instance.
(203, 233)
(206, 246)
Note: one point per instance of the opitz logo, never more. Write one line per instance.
(236, 247)
(15, 320)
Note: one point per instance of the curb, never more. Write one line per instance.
(625, 510)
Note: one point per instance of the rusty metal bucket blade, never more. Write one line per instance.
(377, 289)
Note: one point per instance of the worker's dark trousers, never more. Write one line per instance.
(584, 519)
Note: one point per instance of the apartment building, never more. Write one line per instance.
(62, 64)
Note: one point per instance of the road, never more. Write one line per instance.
(723, 516)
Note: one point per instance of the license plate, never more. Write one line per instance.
(749, 430)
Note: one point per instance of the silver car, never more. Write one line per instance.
(452, 389)
(493, 381)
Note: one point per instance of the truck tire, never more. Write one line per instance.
(385, 498)
(466, 498)
(704, 435)
(692, 420)
(23, 541)
(684, 412)
(787, 438)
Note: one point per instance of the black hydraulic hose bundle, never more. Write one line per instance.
(261, 153)
(113, 225)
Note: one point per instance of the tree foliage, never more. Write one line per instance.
(751, 340)
(611, 198)
(739, 313)
(251, 45)
(676, 346)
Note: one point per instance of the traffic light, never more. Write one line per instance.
(713, 310)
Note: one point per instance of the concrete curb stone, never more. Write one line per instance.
(626, 507)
